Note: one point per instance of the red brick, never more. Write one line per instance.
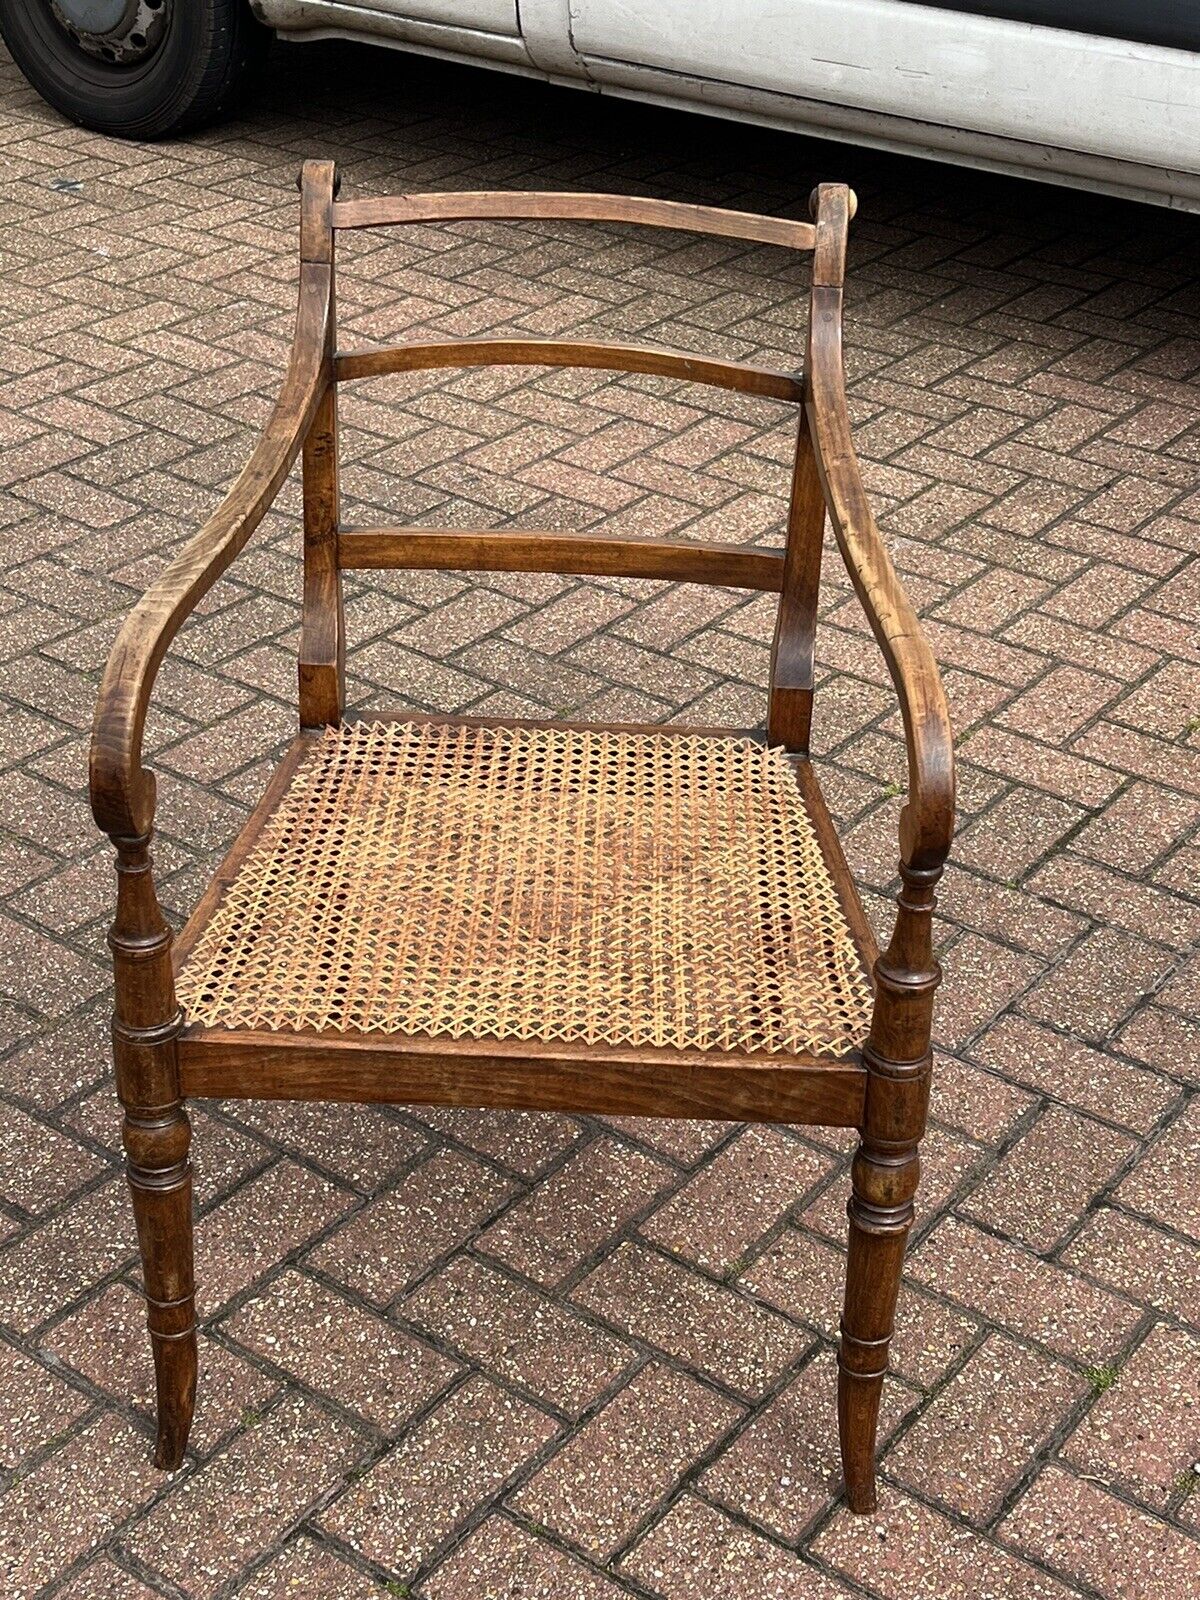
(783, 1469)
(1163, 1184)
(307, 1568)
(1065, 774)
(577, 1210)
(34, 1406)
(434, 1209)
(40, 1167)
(1056, 1065)
(1096, 1539)
(1010, 836)
(1163, 1039)
(362, 1145)
(979, 1104)
(606, 1479)
(1108, 896)
(70, 1502)
(1059, 704)
(914, 1551)
(1159, 761)
(981, 978)
(1098, 984)
(696, 1553)
(728, 1337)
(105, 1339)
(522, 1141)
(45, 1268)
(520, 1335)
(736, 1197)
(1142, 1436)
(219, 1518)
(274, 1214)
(102, 1579)
(974, 1442)
(502, 1559)
(400, 1512)
(1139, 1261)
(805, 1277)
(1007, 913)
(1048, 1178)
(685, 1142)
(331, 1344)
(1096, 596)
(1009, 1286)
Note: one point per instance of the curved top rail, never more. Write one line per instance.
(565, 205)
(122, 791)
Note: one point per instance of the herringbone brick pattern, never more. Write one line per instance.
(456, 1354)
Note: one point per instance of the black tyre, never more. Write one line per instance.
(139, 69)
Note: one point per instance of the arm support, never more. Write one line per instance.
(122, 791)
(927, 821)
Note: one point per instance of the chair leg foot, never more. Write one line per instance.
(160, 1180)
(858, 1415)
(175, 1381)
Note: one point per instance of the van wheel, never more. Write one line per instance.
(136, 68)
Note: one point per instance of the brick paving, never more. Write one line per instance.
(455, 1354)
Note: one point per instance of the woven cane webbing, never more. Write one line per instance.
(537, 884)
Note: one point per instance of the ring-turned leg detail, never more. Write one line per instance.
(157, 1137)
(884, 1176)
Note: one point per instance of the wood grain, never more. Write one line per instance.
(531, 205)
(683, 364)
(520, 1074)
(509, 550)
(928, 820)
(322, 663)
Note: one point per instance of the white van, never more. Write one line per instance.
(1101, 94)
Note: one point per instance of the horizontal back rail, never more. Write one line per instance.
(564, 205)
(581, 554)
(681, 364)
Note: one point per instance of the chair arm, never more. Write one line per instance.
(122, 791)
(927, 821)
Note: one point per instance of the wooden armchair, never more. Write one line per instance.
(466, 911)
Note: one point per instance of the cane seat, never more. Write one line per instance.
(524, 882)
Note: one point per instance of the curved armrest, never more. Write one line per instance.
(122, 792)
(927, 821)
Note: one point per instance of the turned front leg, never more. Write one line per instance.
(884, 1177)
(157, 1136)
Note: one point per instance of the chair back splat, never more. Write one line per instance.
(608, 919)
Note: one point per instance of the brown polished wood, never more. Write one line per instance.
(789, 707)
(592, 555)
(562, 205)
(322, 664)
(146, 1028)
(881, 1089)
(654, 359)
(524, 1075)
